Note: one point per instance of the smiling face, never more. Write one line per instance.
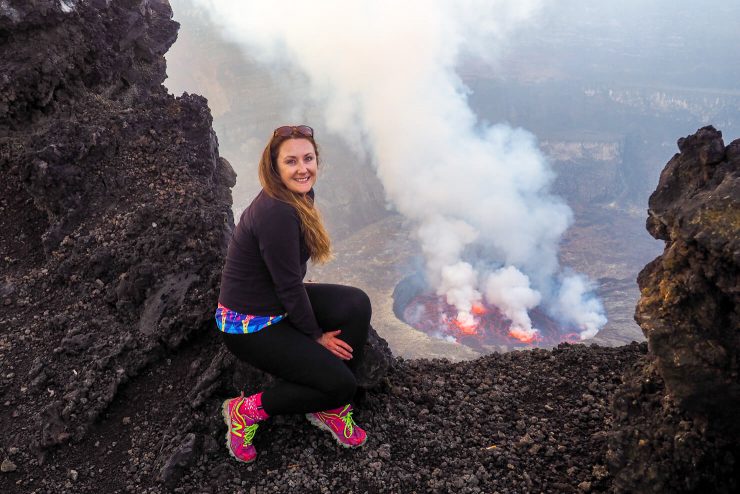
(297, 165)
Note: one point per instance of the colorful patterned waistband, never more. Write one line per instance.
(233, 322)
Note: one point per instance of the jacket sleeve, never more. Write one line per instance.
(279, 243)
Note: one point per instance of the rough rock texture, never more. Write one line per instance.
(531, 421)
(689, 307)
(115, 207)
(678, 429)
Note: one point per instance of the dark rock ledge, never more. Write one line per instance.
(676, 417)
(114, 206)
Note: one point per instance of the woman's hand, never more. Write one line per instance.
(338, 347)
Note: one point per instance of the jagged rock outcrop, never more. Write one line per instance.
(689, 307)
(115, 209)
(677, 413)
(116, 203)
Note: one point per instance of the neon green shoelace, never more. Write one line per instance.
(349, 424)
(249, 432)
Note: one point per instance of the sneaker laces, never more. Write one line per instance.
(345, 417)
(249, 432)
(349, 423)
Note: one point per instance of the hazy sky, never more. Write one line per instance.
(681, 43)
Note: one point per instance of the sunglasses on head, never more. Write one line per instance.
(289, 130)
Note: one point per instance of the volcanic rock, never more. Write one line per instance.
(689, 305)
(677, 425)
(7, 466)
(115, 205)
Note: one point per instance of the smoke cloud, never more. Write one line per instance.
(509, 289)
(575, 303)
(385, 74)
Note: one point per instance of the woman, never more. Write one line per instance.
(310, 336)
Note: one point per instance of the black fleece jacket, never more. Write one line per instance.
(266, 263)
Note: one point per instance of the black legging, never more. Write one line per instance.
(310, 377)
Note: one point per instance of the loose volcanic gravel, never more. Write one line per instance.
(526, 421)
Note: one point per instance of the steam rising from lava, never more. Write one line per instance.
(384, 72)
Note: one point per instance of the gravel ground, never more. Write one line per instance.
(527, 421)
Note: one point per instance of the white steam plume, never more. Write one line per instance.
(442, 241)
(508, 288)
(574, 303)
(384, 72)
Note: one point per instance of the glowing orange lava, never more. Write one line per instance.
(479, 309)
(483, 325)
(466, 328)
(522, 335)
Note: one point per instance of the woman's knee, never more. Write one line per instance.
(359, 304)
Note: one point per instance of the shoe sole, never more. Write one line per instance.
(325, 427)
(227, 420)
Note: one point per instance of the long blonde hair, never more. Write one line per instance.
(316, 236)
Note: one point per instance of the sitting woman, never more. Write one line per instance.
(309, 336)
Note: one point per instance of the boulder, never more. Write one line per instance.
(688, 310)
(676, 427)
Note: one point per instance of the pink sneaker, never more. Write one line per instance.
(341, 425)
(241, 416)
